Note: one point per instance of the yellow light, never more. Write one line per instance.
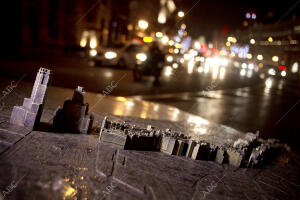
(234, 40)
(165, 39)
(260, 57)
(228, 44)
(143, 24)
(83, 42)
(223, 53)
(249, 55)
(178, 45)
(252, 41)
(171, 42)
(148, 39)
(171, 50)
(123, 99)
(180, 14)
(229, 39)
(270, 39)
(275, 59)
(159, 34)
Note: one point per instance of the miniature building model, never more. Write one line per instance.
(246, 152)
(29, 114)
(73, 117)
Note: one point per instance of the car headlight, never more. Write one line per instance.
(110, 55)
(141, 57)
(170, 58)
(93, 52)
(272, 72)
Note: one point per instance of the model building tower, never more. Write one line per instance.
(29, 114)
(73, 117)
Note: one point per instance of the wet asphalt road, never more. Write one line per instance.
(248, 103)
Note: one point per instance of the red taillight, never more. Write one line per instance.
(282, 67)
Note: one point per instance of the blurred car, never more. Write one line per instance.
(121, 55)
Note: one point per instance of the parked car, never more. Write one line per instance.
(121, 55)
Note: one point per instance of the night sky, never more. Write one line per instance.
(210, 16)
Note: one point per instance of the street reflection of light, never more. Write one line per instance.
(283, 73)
(249, 55)
(243, 72)
(108, 74)
(93, 42)
(175, 65)
(295, 67)
(168, 71)
(252, 41)
(244, 65)
(130, 103)
(176, 51)
(156, 107)
(250, 66)
(181, 60)
(170, 58)
(224, 61)
(190, 66)
(268, 83)
(260, 57)
(187, 56)
(215, 72)
(200, 69)
(122, 99)
(222, 73)
(171, 42)
(249, 73)
(158, 34)
(275, 58)
(261, 76)
(206, 68)
(272, 72)
(193, 52)
(165, 39)
(93, 52)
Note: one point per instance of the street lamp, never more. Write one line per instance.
(143, 24)
(180, 14)
(252, 41)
